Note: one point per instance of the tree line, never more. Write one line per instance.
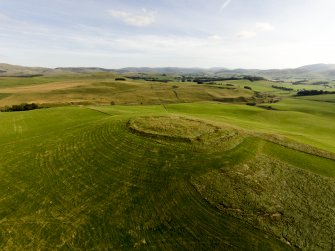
(312, 92)
(21, 107)
(203, 80)
(283, 88)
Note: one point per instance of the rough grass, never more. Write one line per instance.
(283, 141)
(309, 162)
(294, 205)
(173, 127)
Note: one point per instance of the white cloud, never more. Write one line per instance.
(264, 27)
(142, 19)
(215, 38)
(225, 4)
(246, 34)
(257, 28)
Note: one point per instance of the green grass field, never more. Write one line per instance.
(325, 98)
(179, 172)
(293, 119)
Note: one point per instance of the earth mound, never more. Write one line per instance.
(183, 129)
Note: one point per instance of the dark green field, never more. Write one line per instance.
(168, 166)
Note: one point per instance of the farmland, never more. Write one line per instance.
(144, 165)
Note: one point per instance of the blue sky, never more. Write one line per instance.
(156, 33)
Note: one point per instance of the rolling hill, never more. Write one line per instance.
(139, 177)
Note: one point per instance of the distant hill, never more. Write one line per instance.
(165, 70)
(315, 71)
(16, 70)
(83, 69)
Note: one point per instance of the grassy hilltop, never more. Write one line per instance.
(134, 164)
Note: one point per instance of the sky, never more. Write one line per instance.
(262, 34)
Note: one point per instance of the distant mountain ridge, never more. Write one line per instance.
(315, 71)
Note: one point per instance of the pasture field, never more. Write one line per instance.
(266, 86)
(104, 89)
(181, 171)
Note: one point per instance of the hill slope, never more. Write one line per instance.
(80, 178)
